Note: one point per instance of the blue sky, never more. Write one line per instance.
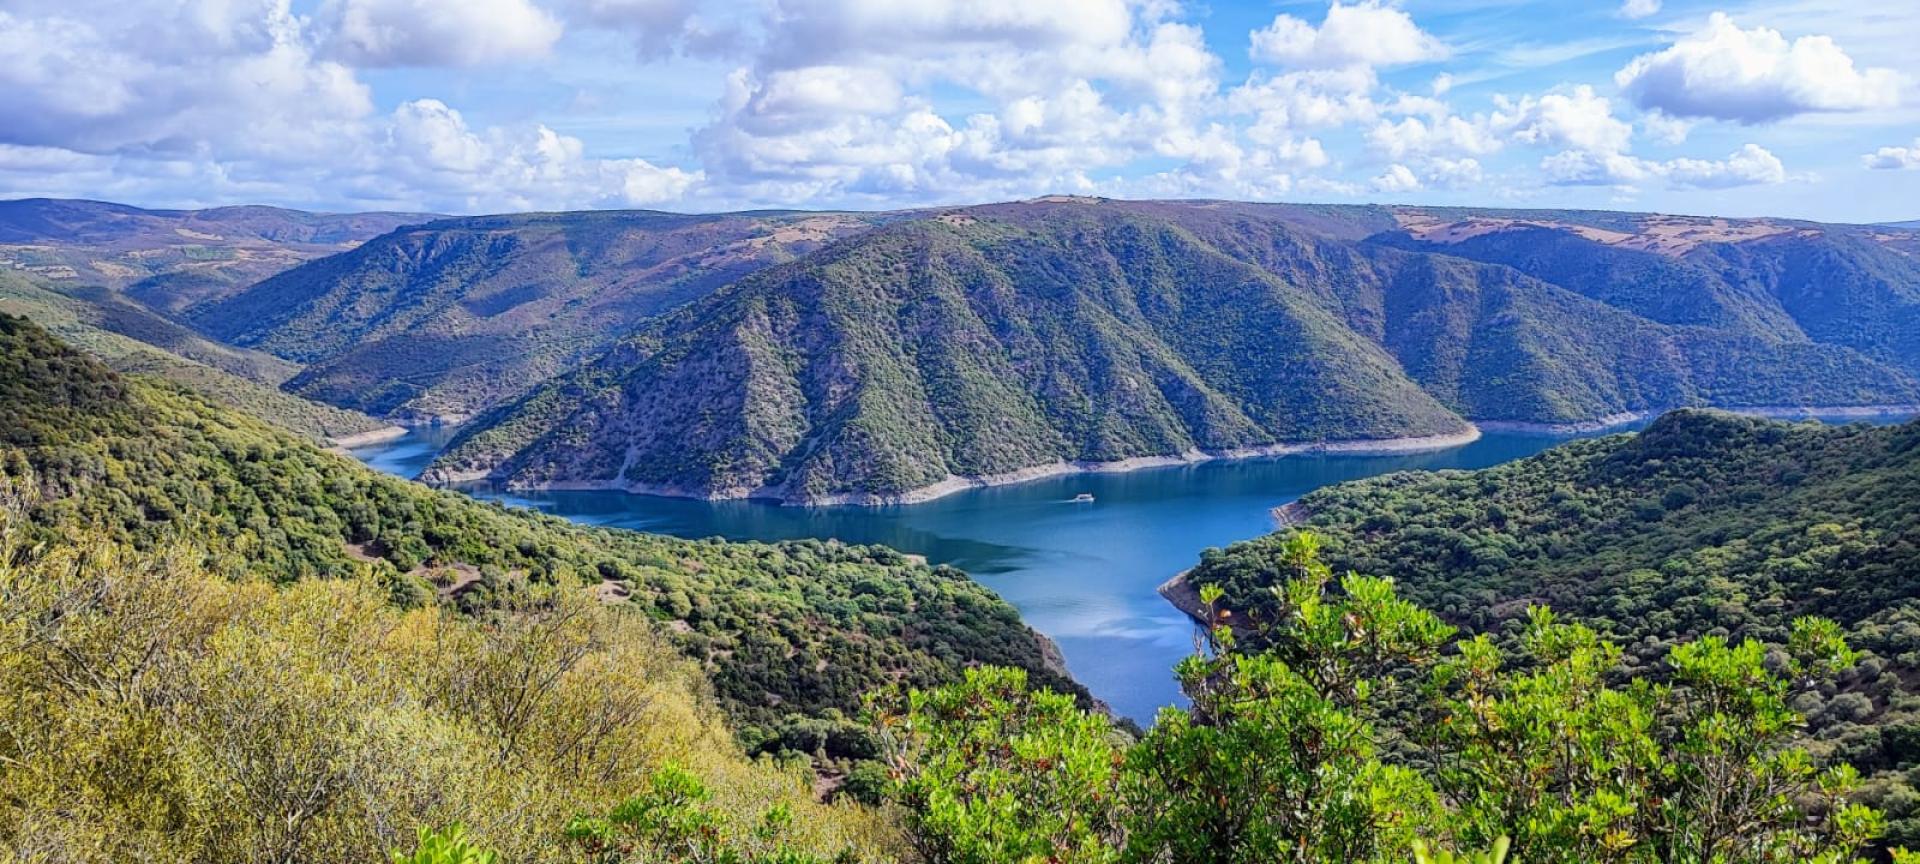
(1771, 107)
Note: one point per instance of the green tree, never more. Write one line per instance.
(992, 772)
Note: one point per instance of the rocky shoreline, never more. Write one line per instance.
(1614, 421)
(957, 483)
(951, 485)
(362, 439)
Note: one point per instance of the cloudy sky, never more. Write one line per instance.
(1805, 108)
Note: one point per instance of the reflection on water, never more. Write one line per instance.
(1083, 573)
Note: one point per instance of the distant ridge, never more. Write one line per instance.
(170, 259)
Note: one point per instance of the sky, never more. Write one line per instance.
(1800, 108)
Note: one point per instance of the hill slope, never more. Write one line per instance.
(169, 259)
(1703, 523)
(787, 631)
(967, 346)
(1005, 339)
(131, 337)
(443, 320)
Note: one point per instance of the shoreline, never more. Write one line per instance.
(954, 484)
(1181, 594)
(951, 485)
(1623, 418)
(372, 436)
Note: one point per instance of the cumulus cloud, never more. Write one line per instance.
(1577, 118)
(437, 33)
(835, 103)
(243, 100)
(1753, 76)
(86, 76)
(1399, 178)
(1751, 165)
(1366, 34)
(1446, 135)
(840, 101)
(1893, 158)
(1664, 129)
(507, 169)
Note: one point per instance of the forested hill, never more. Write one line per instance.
(1704, 523)
(792, 634)
(988, 340)
(444, 319)
(129, 336)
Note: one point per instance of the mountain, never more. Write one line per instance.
(996, 342)
(132, 337)
(170, 259)
(1856, 287)
(442, 320)
(790, 633)
(1704, 523)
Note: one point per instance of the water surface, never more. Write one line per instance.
(1084, 574)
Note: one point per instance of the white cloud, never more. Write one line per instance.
(1399, 178)
(840, 102)
(437, 32)
(220, 100)
(1366, 33)
(1751, 165)
(1578, 118)
(1753, 76)
(1664, 129)
(1637, 9)
(1891, 158)
(534, 168)
(1448, 135)
(1455, 173)
(86, 76)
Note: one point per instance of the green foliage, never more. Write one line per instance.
(154, 709)
(1422, 854)
(136, 339)
(450, 846)
(676, 822)
(789, 633)
(1361, 732)
(1786, 521)
(991, 771)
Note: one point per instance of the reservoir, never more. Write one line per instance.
(1082, 572)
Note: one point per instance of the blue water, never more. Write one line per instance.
(1084, 574)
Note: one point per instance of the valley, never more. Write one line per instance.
(1085, 574)
(816, 464)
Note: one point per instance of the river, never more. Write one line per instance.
(1082, 573)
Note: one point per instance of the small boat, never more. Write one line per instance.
(1083, 498)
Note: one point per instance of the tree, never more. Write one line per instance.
(992, 772)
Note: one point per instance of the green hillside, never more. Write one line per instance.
(963, 346)
(790, 634)
(1703, 524)
(987, 340)
(443, 320)
(132, 337)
